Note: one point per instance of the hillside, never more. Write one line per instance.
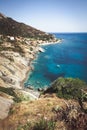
(9, 26)
(47, 113)
(19, 44)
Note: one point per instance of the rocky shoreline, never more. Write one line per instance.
(38, 49)
(16, 56)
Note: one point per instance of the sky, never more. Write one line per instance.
(48, 15)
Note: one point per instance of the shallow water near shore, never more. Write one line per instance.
(65, 59)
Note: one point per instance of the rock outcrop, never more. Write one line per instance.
(5, 105)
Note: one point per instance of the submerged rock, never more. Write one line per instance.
(40, 89)
(30, 87)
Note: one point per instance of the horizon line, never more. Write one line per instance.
(66, 32)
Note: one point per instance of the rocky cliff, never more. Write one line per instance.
(15, 59)
(18, 47)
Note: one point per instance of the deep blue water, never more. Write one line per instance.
(67, 59)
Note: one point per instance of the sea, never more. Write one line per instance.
(65, 59)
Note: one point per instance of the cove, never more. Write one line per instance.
(65, 59)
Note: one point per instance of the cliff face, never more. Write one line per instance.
(15, 57)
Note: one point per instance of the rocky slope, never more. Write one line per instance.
(47, 113)
(18, 47)
(15, 60)
(50, 112)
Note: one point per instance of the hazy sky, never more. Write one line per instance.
(48, 15)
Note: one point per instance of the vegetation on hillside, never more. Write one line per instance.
(70, 88)
(41, 124)
(67, 88)
(10, 27)
(16, 95)
(51, 112)
(73, 116)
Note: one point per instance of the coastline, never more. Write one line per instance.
(29, 69)
(35, 56)
(54, 42)
(35, 53)
(26, 76)
(16, 66)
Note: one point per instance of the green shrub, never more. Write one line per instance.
(31, 49)
(25, 127)
(22, 97)
(11, 111)
(16, 97)
(43, 124)
(68, 88)
(1, 41)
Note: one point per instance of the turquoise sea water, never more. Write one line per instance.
(67, 59)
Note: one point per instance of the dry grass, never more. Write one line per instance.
(33, 111)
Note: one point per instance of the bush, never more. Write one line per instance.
(25, 127)
(80, 123)
(72, 116)
(67, 88)
(1, 41)
(31, 49)
(44, 125)
(16, 97)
